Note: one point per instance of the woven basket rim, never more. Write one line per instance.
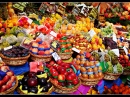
(19, 58)
(113, 74)
(66, 89)
(40, 56)
(83, 79)
(11, 89)
(65, 53)
(45, 93)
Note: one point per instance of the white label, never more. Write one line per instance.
(53, 33)
(126, 51)
(76, 50)
(7, 48)
(30, 21)
(56, 56)
(114, 37)
(92, 33)
(41, 36)
(115, 69)
(116, 51)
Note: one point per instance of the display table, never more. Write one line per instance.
(81, 90)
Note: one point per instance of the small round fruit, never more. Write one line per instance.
(91, 76)
(84, 75)
(19, 83)
(49, 85)
(83, 69)
(96, 75)
(45, 89)
(90, 70)
(24, 87)
(33, 89)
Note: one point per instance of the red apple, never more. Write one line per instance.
(52, 63)
(73, 75)
(10, 73)
(106, 14)
(48, 65)
(52, 70)
(75, 81)
(32, 82)
(5, 25)
(3, 88)
(61, 77)
(69, 78)
(59, 62)
(55, 74)
(66, 73)
(62, 70)
(67, 66)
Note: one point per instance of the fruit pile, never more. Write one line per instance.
(115, 89)
(23, 22)
(34, 83)
(65, 45)
(40, 47)
(124, 60)
(63, 74)
(89, 68)
(15, 52)
(7, 78)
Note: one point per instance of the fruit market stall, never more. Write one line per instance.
(65, 48)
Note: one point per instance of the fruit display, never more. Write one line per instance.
(115, 89)
(40, 47)
(16, 52)
(65, 45)
(63, 76)
(8, 80)
(34, 83)
(124, 60)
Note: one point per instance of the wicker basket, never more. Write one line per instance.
(46, 93)
(90, 82)
(14, 61)
(111, 76)
(65, 56)
(41, 58)
(63, 90)
(12, 89)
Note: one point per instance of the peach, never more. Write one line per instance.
(34, 50)
(34, 44)
(47, 52)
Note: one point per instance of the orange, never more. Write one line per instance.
(69, 27)
(0, 25)
(95, 47)
(85, 29)
(88, 20)
(88, 26)
(63, 30)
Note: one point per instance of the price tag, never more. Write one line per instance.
(53, 33)
(115, 69)
(7, 48)
(92, 33)
(116, 51)
(41, 36)
(114, 37)
(76, 50)
(125, 49)
(30, 21)
(56, 56)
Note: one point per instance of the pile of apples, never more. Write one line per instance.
(63, 74)
(23, 22)
(7, 78)
(124, 60)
